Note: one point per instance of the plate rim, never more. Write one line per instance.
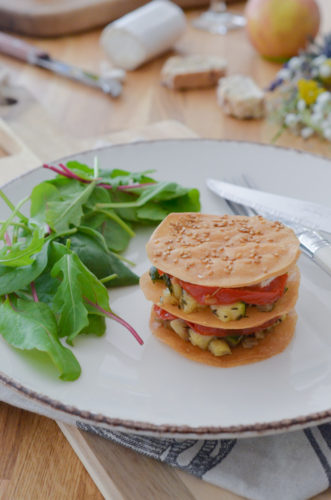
(235, 431)
(129, 425)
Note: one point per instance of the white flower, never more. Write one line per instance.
(301, 105)
(316, 118)
(295, 63)
(325, 70)
(306, 132)
(327, 133)
(291, 120)
(323, 99)
(314, 72)
(284, 74)
(326, 123)
(319, 60)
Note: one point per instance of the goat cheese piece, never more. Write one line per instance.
(193, 71)
(239, 96)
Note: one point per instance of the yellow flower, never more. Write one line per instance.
(309, 91)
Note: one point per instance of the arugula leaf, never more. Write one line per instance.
(145, 195)
(41, 195)
(151, 212)
(60, 214)
(128, 214)
(68, 300)
(17, 278)
(153, 203)
(81, 169)
(77, 285)
(189, 202)
(16, 255)
(33, 326)
(54, 289)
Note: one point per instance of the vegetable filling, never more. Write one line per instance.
(216, 340)
(228, 304)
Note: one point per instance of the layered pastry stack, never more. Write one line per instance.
(223, 288)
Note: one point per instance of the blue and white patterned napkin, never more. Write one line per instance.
(291, 466)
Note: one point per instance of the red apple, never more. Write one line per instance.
(278, 29)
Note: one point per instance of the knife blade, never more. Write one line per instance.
(19, 49)
(302, 212)
(312, 242)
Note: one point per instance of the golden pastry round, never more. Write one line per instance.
(273, 343)
(225, 251)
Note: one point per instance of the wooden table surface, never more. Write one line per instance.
(36, 461)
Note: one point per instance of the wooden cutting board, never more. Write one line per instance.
(60, 17)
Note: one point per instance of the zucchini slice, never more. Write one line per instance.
(230, 312)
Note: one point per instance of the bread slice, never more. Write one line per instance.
(194, 71)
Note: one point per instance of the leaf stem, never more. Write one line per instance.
(12, 207)
(34, 291)
(119, 320)
(96, 167)
(66, 172)
(18, 224)
(134, 186)
(64, 233)
(279, 132)
(109, 278)
(117, 219)
(69, 173)
(11, 217)
(7, 239)
(123, 259)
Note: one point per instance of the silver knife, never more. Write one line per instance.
(282, 208)
(19, 49)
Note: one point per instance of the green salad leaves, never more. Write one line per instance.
(56, 264)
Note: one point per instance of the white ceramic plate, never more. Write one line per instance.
(152, 389)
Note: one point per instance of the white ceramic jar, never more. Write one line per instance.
(143, 34)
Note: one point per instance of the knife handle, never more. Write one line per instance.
(14, 47)
(322, 257)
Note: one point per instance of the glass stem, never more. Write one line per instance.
(217, 6)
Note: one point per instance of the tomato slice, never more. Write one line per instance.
(217, 332)
(162, 314)
(249, 294)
